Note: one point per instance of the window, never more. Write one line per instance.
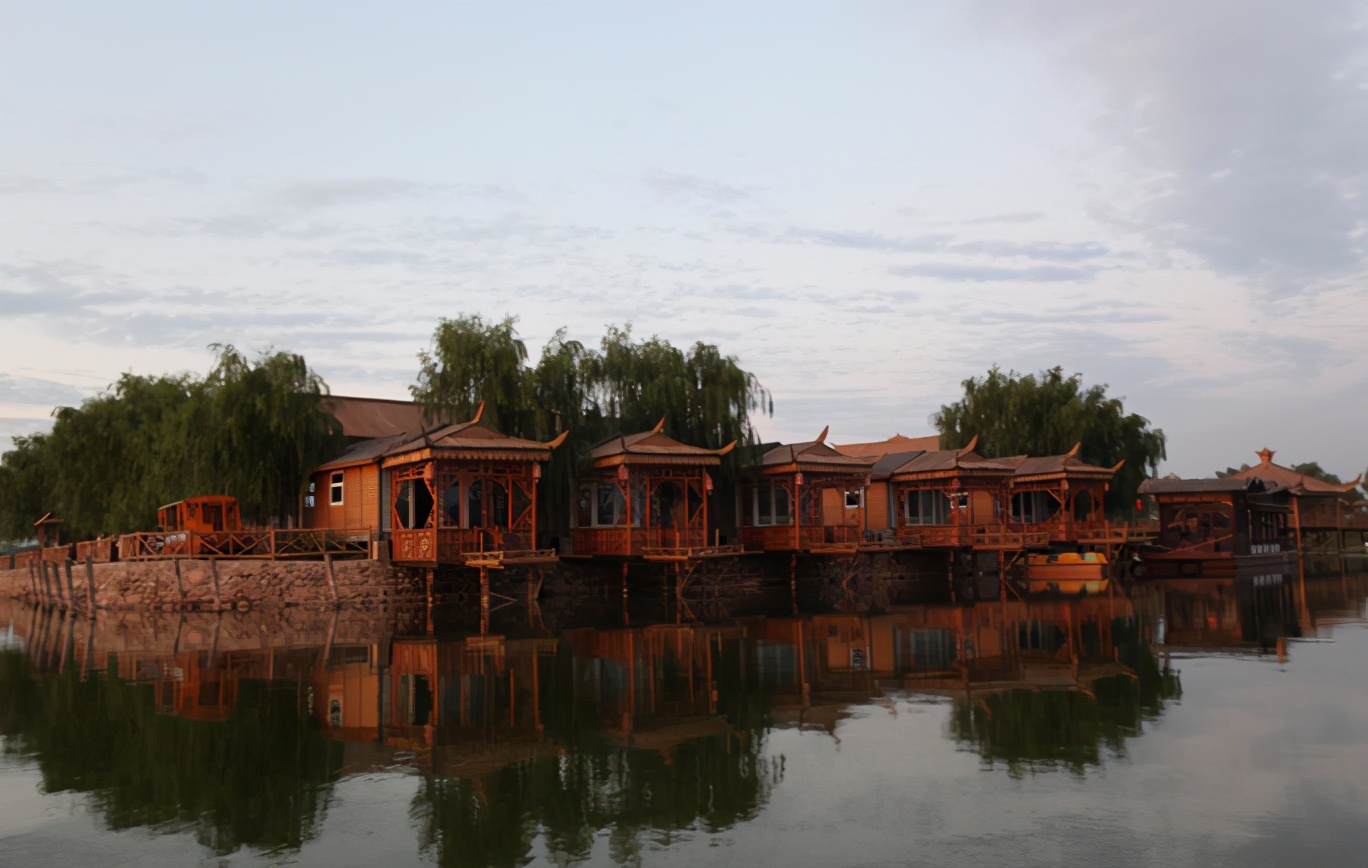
(308, 501)
(854, 498)
(771, 506)
(1033, 507)
(335, 490)
(926, 507)
(602, 504)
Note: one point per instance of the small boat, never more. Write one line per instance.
(1074, 573)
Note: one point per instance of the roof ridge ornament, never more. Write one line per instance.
(479, 412)
(821, 438)
(1265, 455)
(969, 447)
(659, 426)
(1073, 453)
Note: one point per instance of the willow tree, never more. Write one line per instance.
(621, 387)
(473, 361)
(1046, 414)
(254, 429)
(251, 429)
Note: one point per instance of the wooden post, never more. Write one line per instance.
(213, 571)
(332, 578)
(90, 583)
(180, 582)
(484, 599)
(70, 586)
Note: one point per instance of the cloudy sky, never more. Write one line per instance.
(865, 203)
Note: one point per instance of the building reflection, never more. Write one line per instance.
(238, 726)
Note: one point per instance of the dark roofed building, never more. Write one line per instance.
(646, 494)
(366, 418)
(803, 497)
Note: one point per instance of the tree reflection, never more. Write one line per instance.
(1031, 730)
(652, 780)
(258, 778)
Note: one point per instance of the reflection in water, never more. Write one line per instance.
(254, 778)
(237, 729)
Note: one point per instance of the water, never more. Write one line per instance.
(1163, 729)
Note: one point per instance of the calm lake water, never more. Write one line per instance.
(1156, 730)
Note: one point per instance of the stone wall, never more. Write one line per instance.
(211, 585)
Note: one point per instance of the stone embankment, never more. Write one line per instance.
(210, 585)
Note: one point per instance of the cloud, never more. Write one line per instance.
(1243, 128)
(1013, 217)
(344, 191)
(32, 390)
(860, 240)
(1051, 250)
(668, 185)
(969, 273)
(49, 288)
(16, 185)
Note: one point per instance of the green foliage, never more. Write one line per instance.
(1046, 414)
(249, 429)
(622, 387)
(258, 779)
(596, 786)
(473, 361)
(1033, 730)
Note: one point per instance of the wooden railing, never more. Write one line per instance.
(782, 538)
(455, 545)
(301, 543)
(100, 550)
(616, 541)
(257, 543)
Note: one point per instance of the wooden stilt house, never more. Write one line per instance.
(1220, 528)
(464, 491)
(1321, 511)
(804, 497)
(953, 498)
(444, 495)
(1062, 497)
(646, 495)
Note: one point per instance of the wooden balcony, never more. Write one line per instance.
(814, 538)
(460, 545)
(264, 543)
(98, 551)
(655, 542)
(979, 536)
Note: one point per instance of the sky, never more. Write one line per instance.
(864, 203)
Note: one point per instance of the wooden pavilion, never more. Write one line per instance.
(804, 497)
(952, 498)
(1323, 513)
(1062, 497)
(465, 492)
(1219, 528)
(646, 495)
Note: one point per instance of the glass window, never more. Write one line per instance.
(772, 506)
(335, 489)
(926, 507)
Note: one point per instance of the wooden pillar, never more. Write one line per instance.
(484, 600)
(1002, 575)
(90, 583)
